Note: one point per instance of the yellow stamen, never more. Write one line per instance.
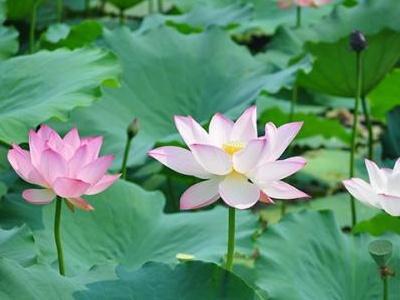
(233, 147)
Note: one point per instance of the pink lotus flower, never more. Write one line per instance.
(304, 3)
(382, 192)
(236, 164)
(68, 167)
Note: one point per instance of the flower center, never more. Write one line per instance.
(233, 147)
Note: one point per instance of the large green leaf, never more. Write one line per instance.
(339, 204)
(391, 146)
(192, 74)
(8, 42)
(379, 224)
(306, 256)
(268, 16)
(386, 95)
(128, 227)
(192, 280)
(251, 15)
(334, 69)
(62, 35)
(330, 166)
(18, 244)
(35, 88)
(314, 126)
(8, 36)
(328, 41)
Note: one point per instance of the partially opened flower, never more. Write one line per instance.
(237, 165)
(382, 192)
(303, 3)
(67, 167)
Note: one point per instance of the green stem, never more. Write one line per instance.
(385, 288)
(160, 6)
(126, 155)
(121, 17)
(59, 10)
(150, 6)
(87, 7)
(367, 115)
(33, 27)
(231, 239)
(298, 16)
(57, 237)
(354, 131)
(293, 102)
(102, 5)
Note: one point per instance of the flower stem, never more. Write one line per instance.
(298, 16)
(32, 27)
(354, 131)
(150, 6)
(368, 120)
(87, 7)
(231, 239)
(293, 102)
(59, 10)
(160, 6)
(121, 17)
(385, 288)
(126, 155)
(57, 236)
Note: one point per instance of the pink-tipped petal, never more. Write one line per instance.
(96, 169)
(285, 135)
(180, 160)
(245, 128)
(246, 159)
(391, 204)
(72, 138)
(52, 165)
(45, 132)
(276, 170)
(36, 146)
(238, 192)
(105, 182)
(38, 196)
(69, 187)
(362, 191)
(20, 160)
(191, 131)
(265, 199)
(377, 177)
(270, 137)
(282, 190)
(200, 194)
(78, 160)
(212, 159)
(220, 129)
(80, 203)
(57, 144)
(93, 146)
(278, 139)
